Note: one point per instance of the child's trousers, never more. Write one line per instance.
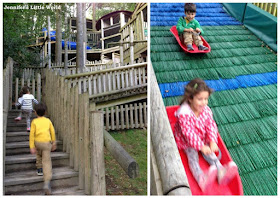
(44, 159)
(27, 113)
(194, 161)
(189, 38)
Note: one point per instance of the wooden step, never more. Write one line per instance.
(25, 182)
(27, 161)
(17, 136)
(16, 148)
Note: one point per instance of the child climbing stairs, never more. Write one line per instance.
(20, 170)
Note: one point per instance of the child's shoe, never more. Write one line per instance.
(18, 119)
(40, 172)
(202, 48)
(190, 48)
(28, 129)
(226, 173)
(207, 179)
(47, 188)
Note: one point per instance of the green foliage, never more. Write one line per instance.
(105, 8)
(22, 26)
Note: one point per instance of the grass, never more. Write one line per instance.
(117, 181)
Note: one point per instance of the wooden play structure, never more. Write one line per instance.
(84, 107)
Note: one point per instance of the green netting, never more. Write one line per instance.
(214, 46)
(244, 111)
(209, 63)
(251, 131)
(261, 182)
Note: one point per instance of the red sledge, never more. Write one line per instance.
(184, 47)
(232, 188)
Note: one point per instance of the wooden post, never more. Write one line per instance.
(49, 41)
(81, 144)
(98, 186)
(167, 156)
(16, 94)
(128, 164)
(76, 133)
(11, 66)
(131, 46)
(86, 150)
(38, 87)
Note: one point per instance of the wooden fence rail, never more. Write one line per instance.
(35, 86)
(110, 79)
(77, 127)
(268, 7)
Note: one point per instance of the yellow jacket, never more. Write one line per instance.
(42, 130)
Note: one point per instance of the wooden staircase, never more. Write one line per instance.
(20, 169)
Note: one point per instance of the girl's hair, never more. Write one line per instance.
(25, 90)
(194, 87)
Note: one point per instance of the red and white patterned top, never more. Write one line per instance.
(192, 131)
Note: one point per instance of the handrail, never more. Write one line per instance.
(106, 70)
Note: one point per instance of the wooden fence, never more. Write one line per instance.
(7, 101)
(268, 7)
(35, 86)
(110, 80)
(80, 129)
(126, 116)
(134, 36)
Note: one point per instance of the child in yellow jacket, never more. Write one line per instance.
(42, 141)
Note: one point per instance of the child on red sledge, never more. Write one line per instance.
(196, 131)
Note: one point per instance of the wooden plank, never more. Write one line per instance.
(16, 94)
(76, 133)
(98, 186)
(107, 119)
(117, 118)
(136, 115)
(145, 114)
(141, 115)
(118, 80)
(114, 80)
(122, 117)
(38, 87)
(90, 85)
(131, 109)
(126, 117)
(155, 180)
(28, 83)
(33, 87)
(72, 126)
(112, 119)
(81, 144)
(87, 154)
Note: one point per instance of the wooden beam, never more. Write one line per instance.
(128, 164)
(167, 156)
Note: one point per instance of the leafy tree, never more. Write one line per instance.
(22, 26)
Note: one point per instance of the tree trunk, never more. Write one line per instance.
(93, 17)
(58, 45)
(80, 38)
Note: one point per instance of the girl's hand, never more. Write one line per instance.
(206, 150)
(33, 151)
(213, 146)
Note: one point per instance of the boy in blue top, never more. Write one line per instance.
(190, 28)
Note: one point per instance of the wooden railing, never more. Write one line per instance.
(80, 129)
(268, 7)
(7, 100)
(134, 36)
(110, 80)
